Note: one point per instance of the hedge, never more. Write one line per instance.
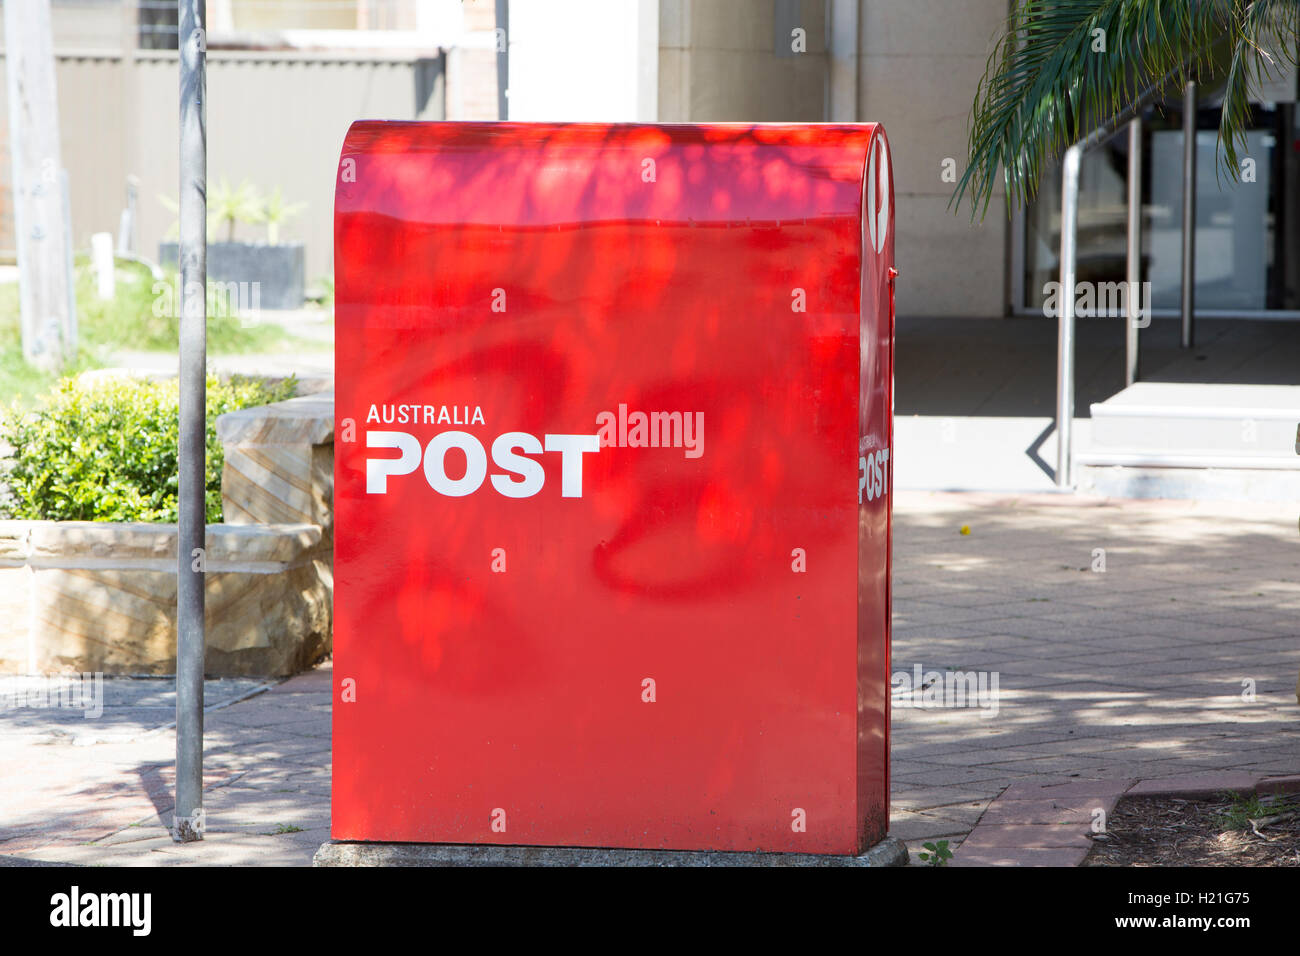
(105, 450)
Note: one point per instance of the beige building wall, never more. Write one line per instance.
(278, 119)
(918, 63)
(722, 61)
(305, 15)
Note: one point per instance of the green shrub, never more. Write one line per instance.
(106, 451)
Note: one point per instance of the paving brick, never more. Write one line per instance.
(1143, 663)
(1019, 812)
(1018, 856)
(1279, 785)
(1196, 784)
(1079, 790)
(918, 830)
(1013, 835)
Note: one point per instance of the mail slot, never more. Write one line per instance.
(613, 467)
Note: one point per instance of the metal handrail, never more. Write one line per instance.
(1067, 260)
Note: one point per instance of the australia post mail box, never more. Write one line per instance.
(614, 424)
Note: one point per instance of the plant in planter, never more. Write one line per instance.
(257, 274)
(275, 212)
(229, 206)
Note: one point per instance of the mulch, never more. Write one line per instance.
(1221, 831)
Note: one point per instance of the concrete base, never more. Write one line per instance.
(888, 852)
(1201, 484)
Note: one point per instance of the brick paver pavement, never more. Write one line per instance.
(266, 774)
(1142, 670)
(1136, 671)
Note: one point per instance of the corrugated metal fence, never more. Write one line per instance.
(274, 118)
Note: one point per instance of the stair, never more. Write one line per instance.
(1170, 439)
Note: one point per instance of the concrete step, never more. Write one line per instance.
(1178, 425)
(1204, 484)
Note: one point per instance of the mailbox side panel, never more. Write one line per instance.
(656, 642)
(876, 489)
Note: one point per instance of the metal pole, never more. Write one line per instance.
(503, 58)
(191, 556)
(1065, 327)
(1189, 214)
(1133, 270)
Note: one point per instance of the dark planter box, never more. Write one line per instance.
(278, 270)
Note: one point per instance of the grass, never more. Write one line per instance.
(1241, 809)
(283, 828)
(19, 381)
(142, 316)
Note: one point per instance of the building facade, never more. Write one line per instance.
(286, 78)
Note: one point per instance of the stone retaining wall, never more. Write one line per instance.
(101, 596)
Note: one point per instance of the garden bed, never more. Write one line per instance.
(1229, 830)
(100, 597)
(88, 553)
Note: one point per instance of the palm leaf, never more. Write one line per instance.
(1046, 85)
(1253, 58)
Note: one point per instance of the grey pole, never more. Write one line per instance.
(190, 555)
(1133, 270)
(1065, 328)
(1189, 215)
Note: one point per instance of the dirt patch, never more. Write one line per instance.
(1228, 830)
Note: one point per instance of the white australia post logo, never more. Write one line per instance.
(873, 469)
(519, 461)
(518, 473)
(877, 212)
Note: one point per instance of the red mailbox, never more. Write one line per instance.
(612, 485)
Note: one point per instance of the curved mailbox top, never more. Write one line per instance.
(612, 546)
(794, 186)
(543, 174)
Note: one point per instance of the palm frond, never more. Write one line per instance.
(1265, 40)
(1049, 82)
